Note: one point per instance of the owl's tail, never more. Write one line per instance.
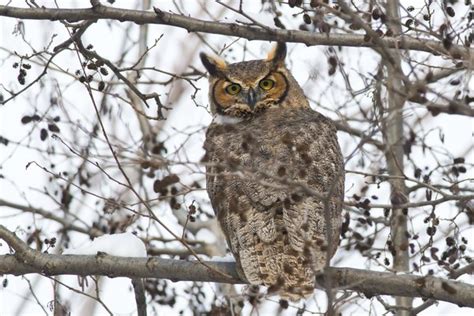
(296, 282)
(287, 273)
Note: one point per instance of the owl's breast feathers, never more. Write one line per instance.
(260, 175)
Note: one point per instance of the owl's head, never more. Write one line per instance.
(244, 89)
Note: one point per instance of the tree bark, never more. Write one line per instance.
(26, 260)
(232, 29)
(393, 133)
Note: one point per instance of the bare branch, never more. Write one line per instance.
(140, 298)
(67, 225)
(393, 136)
(26, 260)
(469, 269)
(452, 108)
(368, 282)
(344, 127)
(232, 29)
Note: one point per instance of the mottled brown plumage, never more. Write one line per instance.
(265, 159)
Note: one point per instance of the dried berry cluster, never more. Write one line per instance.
(22, 71)
(51, 124)
(95, 67)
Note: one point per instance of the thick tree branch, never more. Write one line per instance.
(368, 282)
(26, 260)
(393, 134)
(232, 29)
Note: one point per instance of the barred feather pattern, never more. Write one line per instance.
(261, 174)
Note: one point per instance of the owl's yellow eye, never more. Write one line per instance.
(233, 89)
(266, 84)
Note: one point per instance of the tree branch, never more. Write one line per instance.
(92, 231)
(26, 260)
(368, 282)
(469, 269)
(344, 127)
(452, 108)
(140, 297)
(393, 135)
(232, 29)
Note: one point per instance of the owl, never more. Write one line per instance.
(274, 174)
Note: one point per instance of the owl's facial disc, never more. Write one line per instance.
(242, 98)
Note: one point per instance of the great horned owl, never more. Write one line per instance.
(270, 160)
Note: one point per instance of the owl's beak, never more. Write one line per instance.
(251, 98)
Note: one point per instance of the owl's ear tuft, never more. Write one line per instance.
(277, 54)
(214, 65)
